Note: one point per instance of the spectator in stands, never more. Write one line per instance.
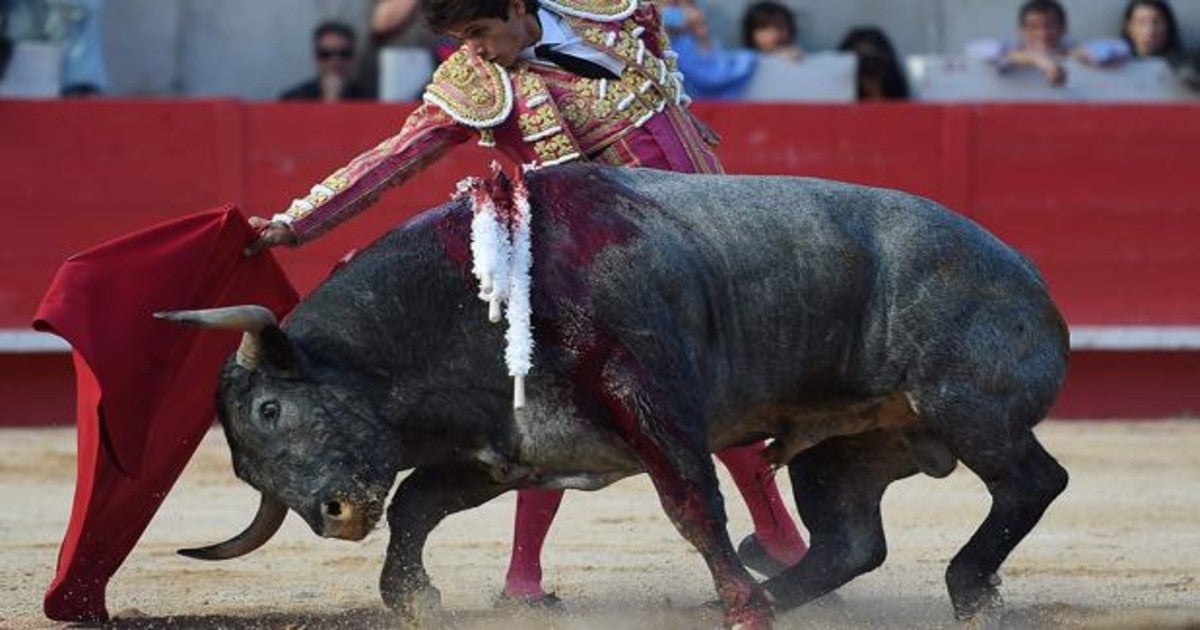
(880, 75)
(6, 44)
(75, 26)
(1042, 44)
(769, 28)
(83, 71)
(333, 50)
(398, 24)
(710, 71)
(1149, 29)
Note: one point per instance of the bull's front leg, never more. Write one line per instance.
(677, 459)
(422, 501)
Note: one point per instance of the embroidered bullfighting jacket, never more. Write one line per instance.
(536, 113)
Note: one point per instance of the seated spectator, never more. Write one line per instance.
(6, 44)
(1042, 44)
(769, 28)
(880, 76)
(74, 27)
(1149, 29)
(333, 50)
(709, 71)
(394, 24)
(84, 72)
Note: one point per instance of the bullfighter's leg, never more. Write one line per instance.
(838, 485)
(535, 514)
(775, 533)
(1023, 480)
(676, 457)
(423, 500)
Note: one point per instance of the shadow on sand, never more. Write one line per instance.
(906, 614)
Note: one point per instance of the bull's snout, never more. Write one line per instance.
(342, 519)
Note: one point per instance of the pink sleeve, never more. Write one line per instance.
(428, 134)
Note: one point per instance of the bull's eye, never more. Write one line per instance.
(269, 411)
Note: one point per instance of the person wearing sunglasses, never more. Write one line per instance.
(334, 53)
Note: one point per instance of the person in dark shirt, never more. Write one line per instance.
(880, 76)
(770, 28)
(334, 53)
(6, 44)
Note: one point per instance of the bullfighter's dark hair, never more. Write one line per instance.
(765, 14)
(444, 14)
(1173, 48)
(1052, 7)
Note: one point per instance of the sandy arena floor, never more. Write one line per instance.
(1120, 549)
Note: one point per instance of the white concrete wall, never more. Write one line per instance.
(256, 48)
(251, 49)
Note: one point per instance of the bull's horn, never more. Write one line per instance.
(251, 319)
(266, 523)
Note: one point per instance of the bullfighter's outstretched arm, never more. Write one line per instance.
(428, 134)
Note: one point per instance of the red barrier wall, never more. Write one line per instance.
(1098, 196)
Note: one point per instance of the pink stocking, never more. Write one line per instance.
(755, 479)
(535, 514)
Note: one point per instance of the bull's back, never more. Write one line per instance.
(776, 286)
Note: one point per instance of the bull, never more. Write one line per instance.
(868, 333)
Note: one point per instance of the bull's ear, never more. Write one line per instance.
(277, 350)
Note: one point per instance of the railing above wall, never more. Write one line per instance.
(937, 78)
(832, 78)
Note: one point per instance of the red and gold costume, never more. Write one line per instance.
(536, 113)
(539, 113)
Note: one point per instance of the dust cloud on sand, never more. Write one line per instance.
(1120, 549)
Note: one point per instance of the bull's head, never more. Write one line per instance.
(304, 440)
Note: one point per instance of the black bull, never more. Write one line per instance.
(872, 334)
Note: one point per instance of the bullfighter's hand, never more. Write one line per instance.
(270, 234)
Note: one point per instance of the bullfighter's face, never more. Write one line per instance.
(313, 446)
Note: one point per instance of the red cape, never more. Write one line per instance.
(146, 388)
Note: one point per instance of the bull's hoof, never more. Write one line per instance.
(546, 602)
(755, 557)
(749, 618)
(972, 594)
(420, 607)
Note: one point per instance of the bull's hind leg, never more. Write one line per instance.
(424, 499)
(838, 485)
(1023, 480)
(676, 456)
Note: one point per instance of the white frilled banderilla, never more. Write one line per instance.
(501, 253)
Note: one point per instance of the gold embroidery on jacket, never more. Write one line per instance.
(473, 91)
(603, 10)
(540, 121)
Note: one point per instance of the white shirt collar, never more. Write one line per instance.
(554, 32)
(557, 32)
